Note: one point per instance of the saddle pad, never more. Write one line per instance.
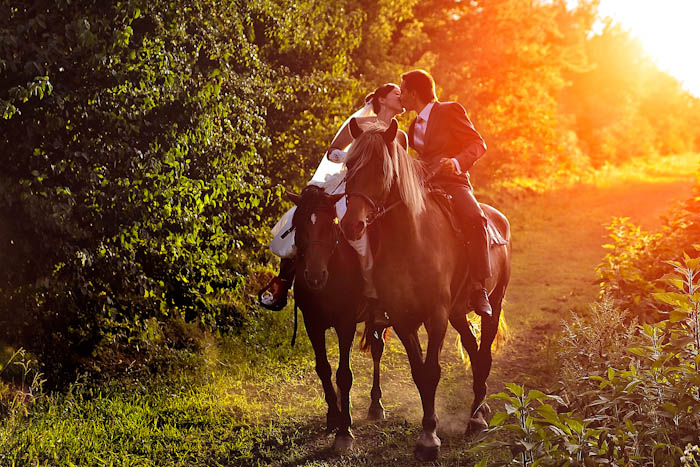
(495, 237)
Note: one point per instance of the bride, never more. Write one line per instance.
(380, 106)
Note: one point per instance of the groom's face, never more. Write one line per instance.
(408, 98)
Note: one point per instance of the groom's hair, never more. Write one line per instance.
(422, 83)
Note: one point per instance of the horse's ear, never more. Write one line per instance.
(390, 134)
(335, 198)
(294, 198)
(355, 129)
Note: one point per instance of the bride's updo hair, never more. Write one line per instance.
(381, 91)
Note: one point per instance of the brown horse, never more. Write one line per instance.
(328, 290)
(421, 267)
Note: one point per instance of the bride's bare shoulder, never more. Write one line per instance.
(362, 121)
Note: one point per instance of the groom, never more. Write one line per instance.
(446, 140)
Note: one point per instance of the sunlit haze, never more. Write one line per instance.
(668, 30)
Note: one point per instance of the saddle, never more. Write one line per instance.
(444, 200)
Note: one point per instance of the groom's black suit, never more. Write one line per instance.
(450, 134)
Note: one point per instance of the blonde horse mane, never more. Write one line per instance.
(397, 166)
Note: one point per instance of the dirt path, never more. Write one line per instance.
(557, 243)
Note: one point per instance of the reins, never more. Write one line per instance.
(377, 211)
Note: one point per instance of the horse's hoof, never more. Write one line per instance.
(476, 425)
(343, 443)
(426, 453)
(376, 413)
(427, 447)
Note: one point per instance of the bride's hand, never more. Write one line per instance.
(336, 155)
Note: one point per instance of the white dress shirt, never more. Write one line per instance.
(421, 126)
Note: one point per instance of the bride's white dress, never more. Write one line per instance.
(332, 183)
(329, 175)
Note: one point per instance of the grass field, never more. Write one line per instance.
(252, 400)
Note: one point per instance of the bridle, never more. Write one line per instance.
(332, 243)
(376, 211)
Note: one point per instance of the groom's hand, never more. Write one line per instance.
(448, 167)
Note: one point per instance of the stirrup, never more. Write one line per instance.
(267, 299)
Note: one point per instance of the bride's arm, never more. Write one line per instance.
(343, 139)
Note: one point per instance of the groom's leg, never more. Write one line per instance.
(473, 224)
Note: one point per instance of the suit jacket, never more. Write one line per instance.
(449, 133)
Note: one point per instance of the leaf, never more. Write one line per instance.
(692, 263)
(516, 389)
(639, 351)
(677, 283)
(677, 315)
(575, 425)
(548, 413)
(671, 298)
(527, 445)
(498, 419)
(670, 408)
(537, 395)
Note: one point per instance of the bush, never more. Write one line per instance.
(642, 411)
(632, 270)
(129, 145)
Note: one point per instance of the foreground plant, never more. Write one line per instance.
(642, 410)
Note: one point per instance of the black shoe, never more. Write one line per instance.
(274, 295)
(377, 316)
(479, 302)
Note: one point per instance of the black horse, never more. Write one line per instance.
(328, 290)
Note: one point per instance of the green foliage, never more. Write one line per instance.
(640, 412)
(130, 183)
(591, 343)
(631, 271)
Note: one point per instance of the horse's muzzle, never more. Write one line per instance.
(354, 230)
(316, 281)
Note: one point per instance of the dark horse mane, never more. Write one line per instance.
(314, 199)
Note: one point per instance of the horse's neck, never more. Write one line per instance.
(403, 230)
(424, 236)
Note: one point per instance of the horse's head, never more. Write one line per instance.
(376, 166)
(317, 233)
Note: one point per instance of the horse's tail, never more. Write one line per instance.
(502, 336)
(503, 333)
(366, 342)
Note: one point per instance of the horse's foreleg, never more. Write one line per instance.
(427, 376)
(317, 337)
(343, 377)
(376, 409)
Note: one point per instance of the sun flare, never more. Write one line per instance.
(668, 31)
